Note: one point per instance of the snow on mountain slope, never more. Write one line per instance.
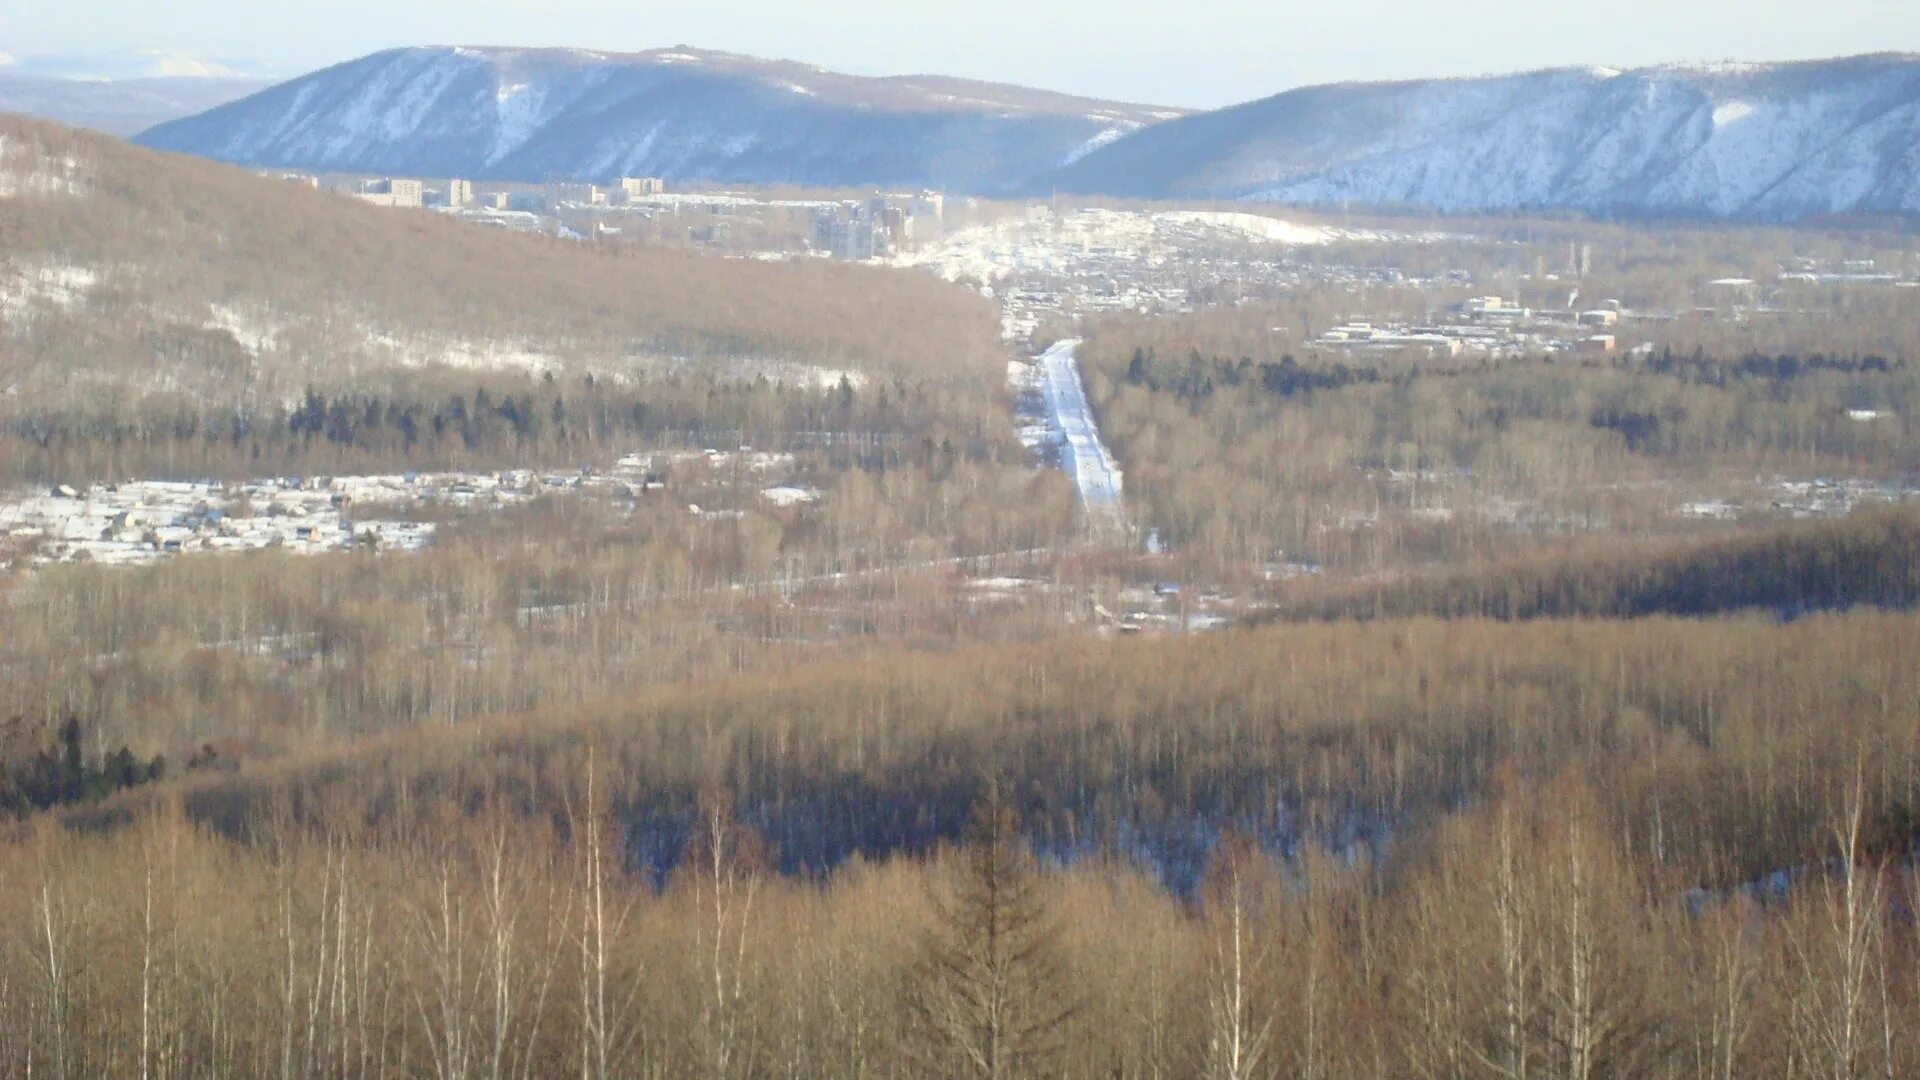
(125, 65)
(540, 114)
(1760, 141)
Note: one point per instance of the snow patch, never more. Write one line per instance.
(26, 171)
(1257, 227)
(1110, 135)
(487, 356)
(48, 286)
(786, 497)
(1732, 112)
(465, 355)
(255, 336)
(519, 110)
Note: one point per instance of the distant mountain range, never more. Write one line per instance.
(1765, 142)
(123, 92)
(1772, 142)
(538, 114)
(122, 106)
(124, 64)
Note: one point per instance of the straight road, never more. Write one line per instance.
(1082, 454)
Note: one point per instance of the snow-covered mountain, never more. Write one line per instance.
(125, 64)
(539, 114)
(1774, 142)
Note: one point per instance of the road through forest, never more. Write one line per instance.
(1082, 453)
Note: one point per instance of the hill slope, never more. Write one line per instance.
(1869, 559)
(539, 114)
(1772, 142)
(126, 272)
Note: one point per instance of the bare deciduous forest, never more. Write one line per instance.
(1514, 763)
(225, 290)
(1257, 454)
(1655, 848)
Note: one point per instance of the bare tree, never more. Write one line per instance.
(1836, 948)
(603, 918)
(1240, 1017)
(441, 928)
(728, 866)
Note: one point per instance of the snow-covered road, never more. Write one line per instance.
(1084, 457)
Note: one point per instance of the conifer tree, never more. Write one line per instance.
(991, 996)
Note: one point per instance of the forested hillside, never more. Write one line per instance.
(1871, 559)
(127, 274)
(1393, 848)
(1370, 464)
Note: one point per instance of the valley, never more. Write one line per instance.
(561, 561)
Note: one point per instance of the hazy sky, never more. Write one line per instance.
(1196, 52)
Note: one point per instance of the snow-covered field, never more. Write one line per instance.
(1044, 240)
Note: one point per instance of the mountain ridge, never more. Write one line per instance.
(1773, 142)
(681, 113)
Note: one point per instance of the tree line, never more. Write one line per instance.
(1715, 745)
(1521, 936)
(1201, 375)
(1869, 559)
(504, 422)
(41, 777)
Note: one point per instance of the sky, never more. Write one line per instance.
(1196, 53)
